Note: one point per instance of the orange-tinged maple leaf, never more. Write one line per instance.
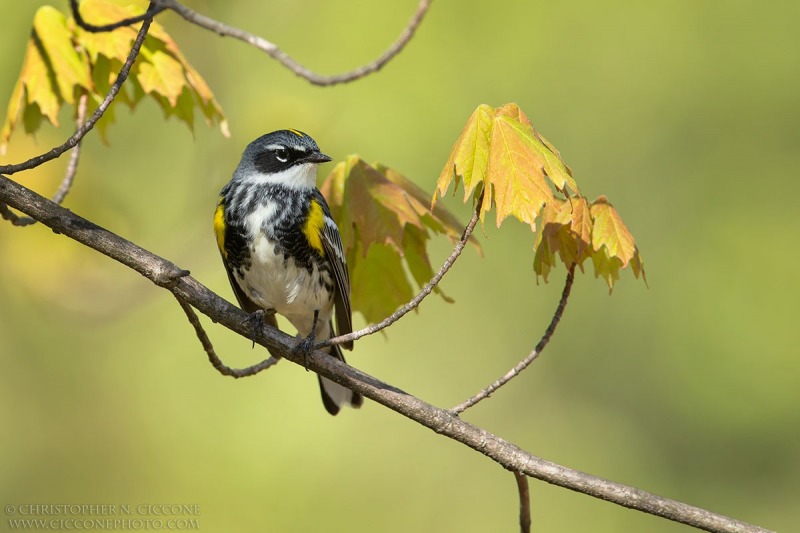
(613, 245)
(513, 111)
(385, 226)
(375, 216)
(576, 216)
(611, 232)
(522, 175)
(501, 152)
(438, 219)
(518, 185)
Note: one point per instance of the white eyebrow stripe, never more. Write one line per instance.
(275, 147)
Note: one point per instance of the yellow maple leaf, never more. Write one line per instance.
(61, 59)
(500, 152)
(612, 243)
(523, 176)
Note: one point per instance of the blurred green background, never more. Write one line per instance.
(685, 113)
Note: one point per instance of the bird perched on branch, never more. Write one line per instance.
(281, 248)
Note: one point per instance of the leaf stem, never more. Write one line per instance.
(522, 365)
(154, 9)
(423, 293)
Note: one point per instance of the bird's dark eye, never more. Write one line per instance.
(282, 154)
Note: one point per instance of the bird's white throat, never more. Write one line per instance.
(300, 177)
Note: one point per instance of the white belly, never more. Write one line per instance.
(290, 290)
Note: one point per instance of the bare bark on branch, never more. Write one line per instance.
(188, 290)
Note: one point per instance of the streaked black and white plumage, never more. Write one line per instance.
(281, 248)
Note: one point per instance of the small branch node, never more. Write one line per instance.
(168, 277)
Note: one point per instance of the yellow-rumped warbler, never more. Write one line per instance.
(282, 249)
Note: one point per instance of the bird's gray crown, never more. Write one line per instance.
(278, 151)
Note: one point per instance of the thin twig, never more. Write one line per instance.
(524, 502)
(423, 293)
(212, 355)
(531, 357)
(167, 275)
(153, 10)
(69, 174)
(76, 137)
(72, 164)
(287, 61)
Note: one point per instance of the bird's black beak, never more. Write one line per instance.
(317, 157)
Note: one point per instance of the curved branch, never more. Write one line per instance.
(153, 10)
(522, 365)
(167, 275)
(286, 60)
(76, 137)
(423, 293)
(215, 361)
(69, 174)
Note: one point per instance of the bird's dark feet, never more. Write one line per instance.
(256, 321)
(306, 346)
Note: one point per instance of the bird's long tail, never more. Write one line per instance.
(334, 396)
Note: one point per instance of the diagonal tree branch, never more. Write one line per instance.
(272, 50)
(167, 275)
(531, 357)
(423, 293)
(76, 137)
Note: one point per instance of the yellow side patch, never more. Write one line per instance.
(312, 229)
(219, 227)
